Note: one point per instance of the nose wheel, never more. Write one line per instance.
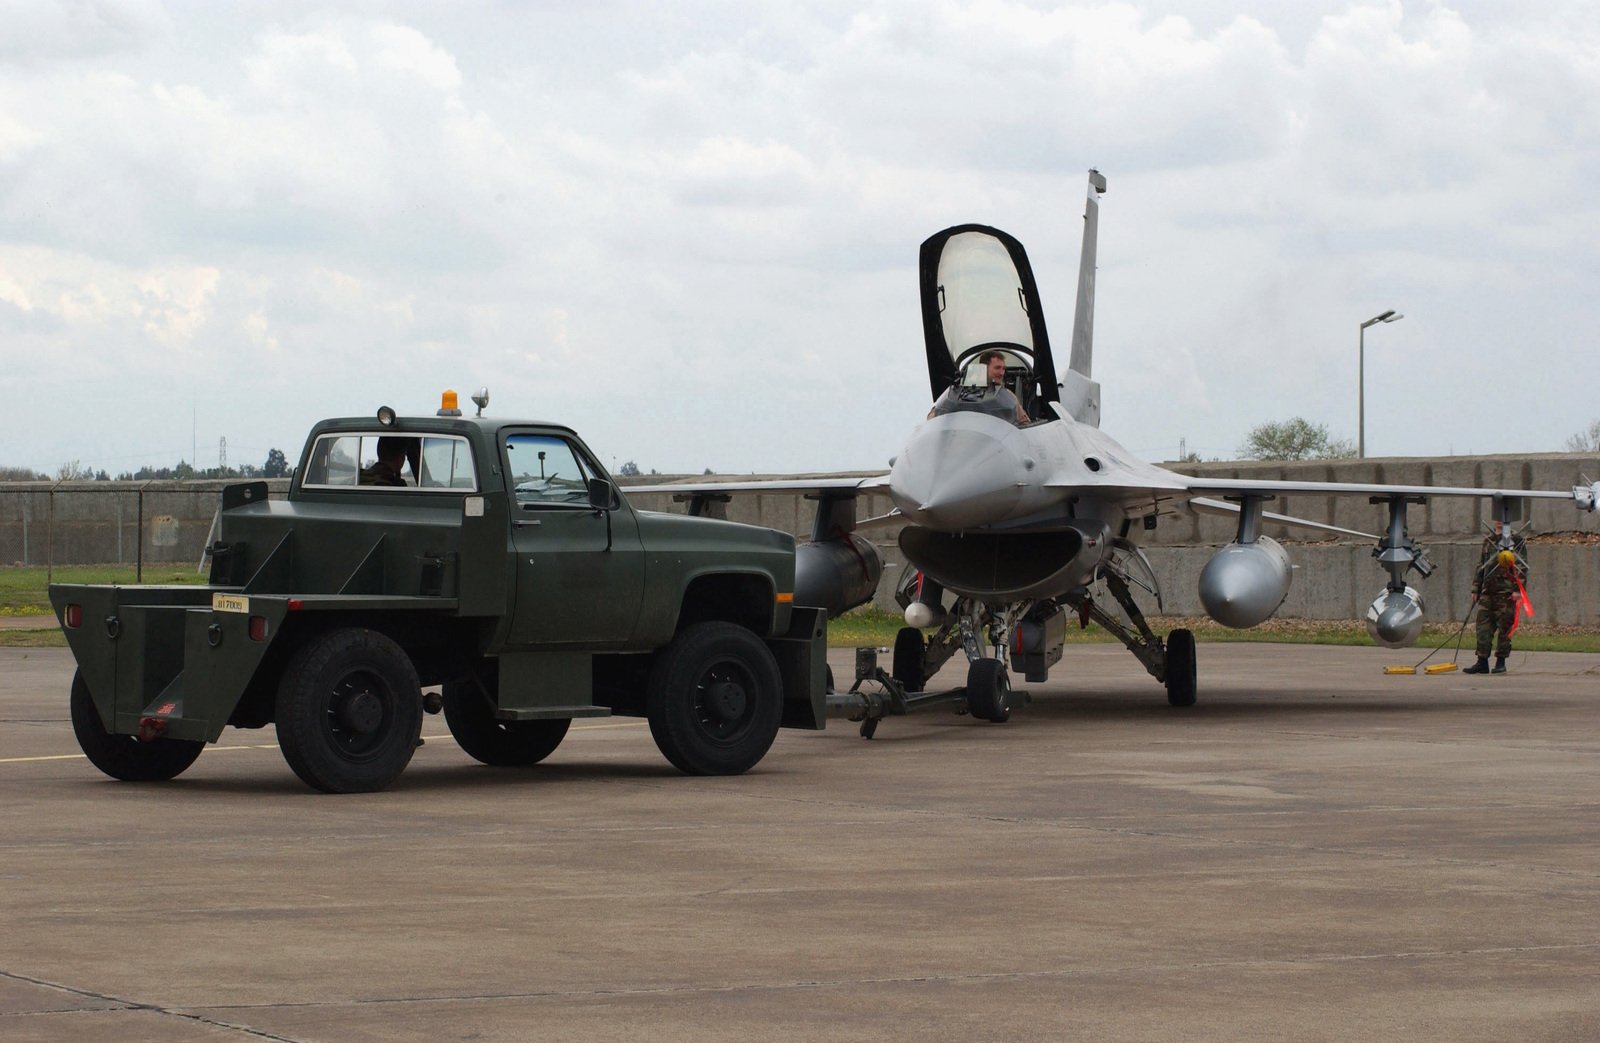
(988, 690)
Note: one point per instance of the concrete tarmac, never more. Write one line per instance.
(1316, 851)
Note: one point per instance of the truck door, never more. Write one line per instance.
(570, 588)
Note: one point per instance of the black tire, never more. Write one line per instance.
(908, 659)
(497, 743)
(714, 700)
(1182, 677)
(349, 711)
(124, 756)
(987, 688)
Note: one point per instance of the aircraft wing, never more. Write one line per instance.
(864, 483)
(1209, 506)
(1584, 495)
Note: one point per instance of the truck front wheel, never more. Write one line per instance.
(123, 756)
(500, 744)
(714, 700)
(349, 711)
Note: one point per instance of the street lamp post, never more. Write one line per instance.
(1361, 379)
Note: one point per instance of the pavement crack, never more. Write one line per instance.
(118, 1003)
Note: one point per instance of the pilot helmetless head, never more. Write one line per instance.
(996, 363)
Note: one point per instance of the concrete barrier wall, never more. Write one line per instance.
(102, 522)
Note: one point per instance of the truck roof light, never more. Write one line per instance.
(386, 416)
(447, 404)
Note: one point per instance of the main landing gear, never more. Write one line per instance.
(1172, 663)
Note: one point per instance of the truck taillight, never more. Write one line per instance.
(73, 616)
(258, 628)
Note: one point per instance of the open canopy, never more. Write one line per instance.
(978, 292)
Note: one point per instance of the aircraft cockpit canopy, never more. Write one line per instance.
(978, 293)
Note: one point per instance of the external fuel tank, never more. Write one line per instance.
(1244, 583)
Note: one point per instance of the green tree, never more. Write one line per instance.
(277, 464)
(1294, 439)
(630, 470)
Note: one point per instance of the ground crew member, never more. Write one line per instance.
(1497, 589)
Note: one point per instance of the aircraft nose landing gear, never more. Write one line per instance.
(988, 690)
(877, 694)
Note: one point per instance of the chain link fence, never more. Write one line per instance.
(103, 523)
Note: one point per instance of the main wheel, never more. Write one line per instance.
(908, 659)
(123, 756)
(1182, 678)
(714, 700)
(349, 711)
(987, 688)
(501, 744)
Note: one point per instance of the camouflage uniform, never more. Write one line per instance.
(1497, 591)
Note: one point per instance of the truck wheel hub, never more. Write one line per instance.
(361, 712)
(727, 700)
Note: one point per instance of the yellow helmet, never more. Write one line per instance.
(1506, 559)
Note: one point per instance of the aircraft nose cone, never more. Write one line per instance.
(957, 472)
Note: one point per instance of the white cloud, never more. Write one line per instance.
(616, 211)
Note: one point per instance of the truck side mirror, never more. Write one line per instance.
(601, 499)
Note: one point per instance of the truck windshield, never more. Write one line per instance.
(372, 460)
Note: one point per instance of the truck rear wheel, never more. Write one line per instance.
(349, 711)
(123, 756)
(500, 744)
(715, 699)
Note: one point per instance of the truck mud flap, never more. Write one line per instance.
(802, 655)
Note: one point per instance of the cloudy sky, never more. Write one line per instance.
(690, 229)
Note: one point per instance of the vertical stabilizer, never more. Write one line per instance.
(1080, 395)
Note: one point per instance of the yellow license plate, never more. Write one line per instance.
(230, 603)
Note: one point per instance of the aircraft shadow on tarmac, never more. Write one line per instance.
(1241, 704)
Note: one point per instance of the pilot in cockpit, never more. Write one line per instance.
(994, 399)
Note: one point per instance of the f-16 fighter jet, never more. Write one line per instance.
(1017, 512)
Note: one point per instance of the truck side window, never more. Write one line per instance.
(446, 464)
(391, 461)
(547, 471)
(335, 460)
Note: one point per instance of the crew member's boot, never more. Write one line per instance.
(1480, 667)
(1499, 665)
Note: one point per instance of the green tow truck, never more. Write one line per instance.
(492, 558)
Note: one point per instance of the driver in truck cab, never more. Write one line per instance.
(386, 470)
